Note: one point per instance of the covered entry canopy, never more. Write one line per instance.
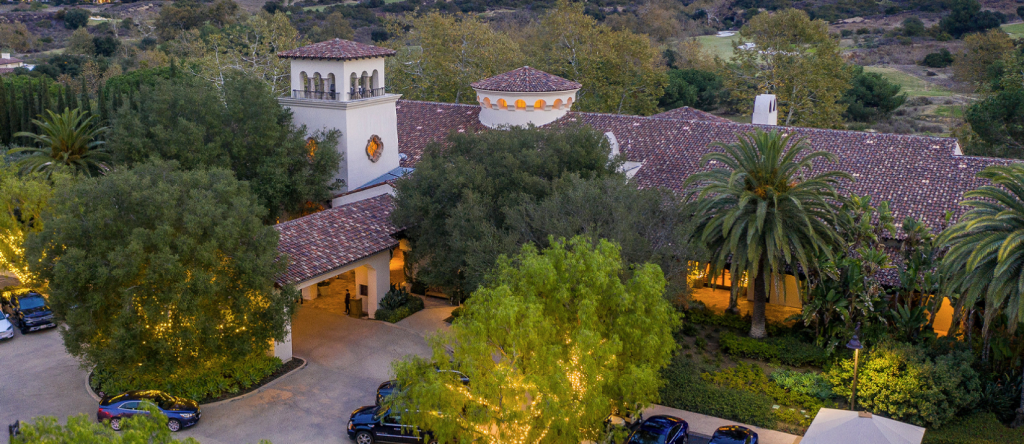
(833, 426)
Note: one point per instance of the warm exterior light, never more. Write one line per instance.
(856, 346)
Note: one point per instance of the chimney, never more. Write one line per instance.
(5, 55)
(766, 110)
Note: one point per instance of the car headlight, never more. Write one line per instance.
(350, 427)
(187, 415)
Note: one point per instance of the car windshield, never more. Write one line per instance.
(31, 302)
(650, 435)
(730, 437)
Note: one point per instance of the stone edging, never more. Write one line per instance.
(88, 388)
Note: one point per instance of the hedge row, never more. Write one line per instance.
(779, 350)
(685, 389)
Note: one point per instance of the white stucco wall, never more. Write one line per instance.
(493, 116)
(357, 120)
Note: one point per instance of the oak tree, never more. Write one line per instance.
(558, 340)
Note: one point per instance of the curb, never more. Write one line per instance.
(89, 390)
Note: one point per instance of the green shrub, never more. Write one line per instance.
(979, 428)
(397, 305)
(701, 343)
(214, 380)
(689, 329)
(685, 389)
(751, 378)
(809, 383)
(940, 59)
(780, 350)
(903, 382)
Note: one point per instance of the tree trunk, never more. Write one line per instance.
(986, 334)
(1019, 419)
(757, 325)
(734, 292)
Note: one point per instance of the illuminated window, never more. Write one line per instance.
(568, 102)
(502, 104)
(539, 104)
(520, 104)
(557, 104)
(487, 102)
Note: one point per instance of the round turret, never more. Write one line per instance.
(524, 96)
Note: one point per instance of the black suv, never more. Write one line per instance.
(372, 424)
(386, 388)
(29, 311)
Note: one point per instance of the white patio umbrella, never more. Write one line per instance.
(833, 426)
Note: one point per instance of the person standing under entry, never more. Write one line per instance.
(348, 299)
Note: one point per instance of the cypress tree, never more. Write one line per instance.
(5, 129)
(69, 98)
(26, 111)
(83, 99)
(14, 117)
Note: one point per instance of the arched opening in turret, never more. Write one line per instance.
(376, 80)
(318, 84)
(331, 89)
(304, 79)
(353, 86)
(487, 102)
(502, 104)
(568, 103)
(539, 104)
(520, 104)
(557, 104)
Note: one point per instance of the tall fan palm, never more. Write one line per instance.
(759, 211)
(985, 260)
(65, 140)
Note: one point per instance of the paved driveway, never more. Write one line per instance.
(347, 359)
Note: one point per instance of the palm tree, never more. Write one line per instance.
(65, 140)
(759, 211)
(985, 261)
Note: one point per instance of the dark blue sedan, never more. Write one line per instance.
(660, 429)
(733, 434)
(180, 412)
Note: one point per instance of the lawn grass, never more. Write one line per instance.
(1015, 30)
(911, 85)
(319, 8)
(954, 111)
(720, 46)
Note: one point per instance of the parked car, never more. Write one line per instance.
(29, 311)
(386, 388)
(733, 434)
(6, 328)
(660, 429)
(373, 424)
(180, 412)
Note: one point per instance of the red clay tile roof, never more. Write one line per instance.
(526, 79)
(9, 61)
(687, 113)
(918, 175)
(420, 123)
(337, 49)
(333, 238)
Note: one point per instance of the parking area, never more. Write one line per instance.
(347, 358)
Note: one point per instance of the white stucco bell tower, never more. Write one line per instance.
(340, 84)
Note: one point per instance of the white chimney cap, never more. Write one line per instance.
(766, 110)
(5, 55)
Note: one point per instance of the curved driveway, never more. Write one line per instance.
(346, 360)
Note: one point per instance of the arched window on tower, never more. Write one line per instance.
(557, 104)
(520, 104)
(502, 104)
(487, 102)
(375, 83)
(539, 105)
(568, 103)
(331, 88)
(318, 86)
(304, 78)
(353, 87)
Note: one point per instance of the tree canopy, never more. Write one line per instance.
(456, 204)
(620, 71)
(871, 97)
(157, 272)
(556, 342)
(23, 198)
(796, 59)
(240, 127)
(693, 88)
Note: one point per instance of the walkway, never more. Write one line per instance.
(717, 300)
(431, 318)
